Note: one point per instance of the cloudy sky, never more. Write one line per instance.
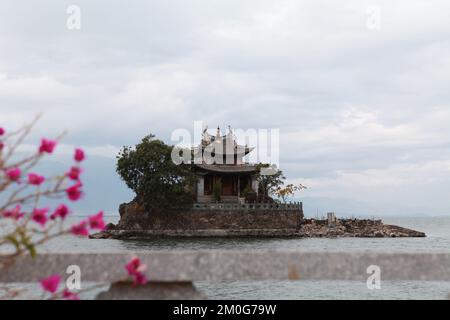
(362, 100)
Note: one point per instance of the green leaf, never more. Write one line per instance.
(149, 171)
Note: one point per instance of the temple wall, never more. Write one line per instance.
(133, 218)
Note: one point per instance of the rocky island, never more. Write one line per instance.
(271, 221)
(363, 228)
(218, 194)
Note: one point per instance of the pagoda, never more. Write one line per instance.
(221, 170)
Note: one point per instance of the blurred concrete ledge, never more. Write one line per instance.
(171, 273)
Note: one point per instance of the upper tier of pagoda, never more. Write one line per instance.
(220, 146)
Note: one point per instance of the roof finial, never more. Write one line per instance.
(230, 135)
(205, 136)
(218, 137)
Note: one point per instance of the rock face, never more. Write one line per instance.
(355, 228)
(135, 222)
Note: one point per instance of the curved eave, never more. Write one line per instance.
(223, 168)
(238, 150)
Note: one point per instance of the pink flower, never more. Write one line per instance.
(51, 283)
(61, 211)
(13, 213)
(140, 279)
(80, 229)
(70, 295)
(135, 268)
(79, 155)
(2, 131)
(35, 179)
(74, 173)
(47, 146)
(13, 173)
(40, 216)
(74, 193)
(96, 221)
(133, 265)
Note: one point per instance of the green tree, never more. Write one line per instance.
(149, 171)
(270, 178)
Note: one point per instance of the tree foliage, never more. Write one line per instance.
(288, 191)
(269, 179)
(149, 171)
(271, 183)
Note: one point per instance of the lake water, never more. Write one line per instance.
(438, 239)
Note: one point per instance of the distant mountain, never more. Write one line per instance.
(103, 188)
(319, 206)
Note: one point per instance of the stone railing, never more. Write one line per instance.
(171, 273)
(249, 206)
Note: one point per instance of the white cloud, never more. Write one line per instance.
(34, 89)
(355, 107)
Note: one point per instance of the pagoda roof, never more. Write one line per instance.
(222, 144)
(225, 168)
(222, 149)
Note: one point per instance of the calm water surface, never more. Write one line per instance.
(438, 239)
